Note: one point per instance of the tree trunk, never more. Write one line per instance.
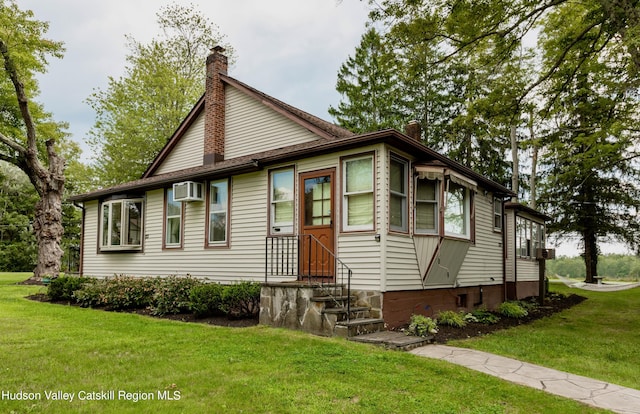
(534, 165)
(515, 177)
(590, 255)
(48, 229)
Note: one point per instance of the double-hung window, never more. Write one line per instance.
(497, 214)
(357, 209)
(218, 212)
(121, 224)
(281, 201)
(173, 224)
(523, 236)
(398, 195)
(426, 211)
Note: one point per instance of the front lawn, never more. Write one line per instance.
(47, 348)
(598, 338)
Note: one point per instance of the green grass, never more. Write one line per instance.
(47, 347)
(598, 338)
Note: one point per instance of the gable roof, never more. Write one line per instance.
(318, 126)
(259, 161)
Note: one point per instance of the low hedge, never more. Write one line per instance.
(162, 295)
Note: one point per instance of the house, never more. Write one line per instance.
(250, 188)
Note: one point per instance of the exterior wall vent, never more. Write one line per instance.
(187, 191)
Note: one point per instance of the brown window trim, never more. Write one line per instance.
(227, 243)
(164, 225)
(342, 190)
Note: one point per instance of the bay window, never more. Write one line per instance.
(398, 195)
(426, 211)
(218, 209)
(121, 224)
(358, 194)
(456, 211)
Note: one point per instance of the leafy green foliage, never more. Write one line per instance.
(420, 325)
(512, 309)
(483, 316)
(611, 266)
(206, 299)
(172, 294)
(63, 287)
(451, 318)
(241, 299)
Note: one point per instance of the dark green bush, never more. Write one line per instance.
(172, 295)
(127, 292)
(485, 317)
(241, 300)
(206, 299)
(91, 294)
(62, 288)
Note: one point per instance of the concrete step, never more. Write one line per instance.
(393, 340)
(357, 312)
(359, 326)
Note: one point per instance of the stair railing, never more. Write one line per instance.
(303, 256)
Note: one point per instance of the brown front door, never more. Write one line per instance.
(317, 216)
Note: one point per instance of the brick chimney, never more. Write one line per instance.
(214, 107)
(414, 130)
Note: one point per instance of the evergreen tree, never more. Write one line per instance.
(369, 88)
(591, 185)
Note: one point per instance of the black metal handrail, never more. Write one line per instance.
(305, 257)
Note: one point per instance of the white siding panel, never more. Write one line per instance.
(253, 127)
(403, 271)
(483, 263)
(189, 150)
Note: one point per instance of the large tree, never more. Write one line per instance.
(137, 113)
(590, 164)
(369, 87)
(28, 135)
(585, 84)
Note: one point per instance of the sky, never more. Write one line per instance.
(289, 49)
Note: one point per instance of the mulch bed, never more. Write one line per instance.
(553, 304)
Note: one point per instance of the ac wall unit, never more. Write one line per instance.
(187, 191)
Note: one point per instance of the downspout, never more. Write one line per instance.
(81, 264)
(505, 250)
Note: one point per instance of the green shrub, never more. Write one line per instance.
(512, 309)
(91, 294)
(451, 318)
(241, 299)
(127, 292)
(483, 316)
(62, 288)
(206, 299)
(421, 325)
(172, 295)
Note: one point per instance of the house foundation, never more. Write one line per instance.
(399, 306)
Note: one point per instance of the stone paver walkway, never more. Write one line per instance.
(589, 391)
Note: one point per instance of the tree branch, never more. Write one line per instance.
(22, 151)
(23, 102)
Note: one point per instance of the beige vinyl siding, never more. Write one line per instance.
(484, 258)
(189, 150)
(403, 272)
(244, 258)
(253, 127)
